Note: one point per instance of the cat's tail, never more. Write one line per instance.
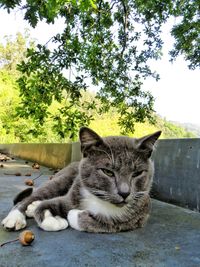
(23, 194)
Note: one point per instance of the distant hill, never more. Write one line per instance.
(194, 128)
(106, 124)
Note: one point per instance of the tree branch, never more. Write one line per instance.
(125, 22)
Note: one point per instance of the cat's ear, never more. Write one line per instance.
(88, 139)
(146, 144)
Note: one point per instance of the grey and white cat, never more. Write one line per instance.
(107, 191)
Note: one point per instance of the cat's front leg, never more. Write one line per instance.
(80, 220)
(52, 223)
(15, 220)
(51, 215)
(83, 220)
(135, 217)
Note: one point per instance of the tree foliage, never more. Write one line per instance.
(12, 127)
(13, 51)
(107, 42)
(186, 28)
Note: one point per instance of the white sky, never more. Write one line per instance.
(177, 93)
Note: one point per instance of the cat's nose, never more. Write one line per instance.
(124, 195)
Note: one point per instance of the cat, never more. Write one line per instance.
(107, 191)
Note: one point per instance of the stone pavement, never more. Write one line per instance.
(171, 237)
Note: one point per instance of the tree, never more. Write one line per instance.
(109, 42)
(13, 51)
(12, 127)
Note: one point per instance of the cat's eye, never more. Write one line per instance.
(107, 172)
(136, 174)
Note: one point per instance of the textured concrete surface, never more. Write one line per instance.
(177, 172)
(171, 237)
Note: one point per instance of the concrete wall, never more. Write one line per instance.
(177, 172)
(177, 166)
(50, 155)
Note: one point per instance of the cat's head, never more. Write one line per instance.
(116, 167)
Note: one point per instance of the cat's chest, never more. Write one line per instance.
(97, 206)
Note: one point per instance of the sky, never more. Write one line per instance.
(177, 93)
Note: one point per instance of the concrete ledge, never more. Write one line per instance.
(177, 172)
(51, 155)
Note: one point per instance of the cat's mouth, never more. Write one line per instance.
(121, 204)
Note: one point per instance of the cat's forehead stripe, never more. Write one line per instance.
(119, 155)
(121, 142)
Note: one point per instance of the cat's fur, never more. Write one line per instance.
(107, 191)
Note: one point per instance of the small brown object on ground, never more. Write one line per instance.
(18, 174)
(25, 238)
(29, 182)
(35, 165)
(28, 174)
(4, 157)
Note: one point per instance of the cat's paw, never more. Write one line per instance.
(145, 198)
(14, 221)
(141, 196)
(51, 223)
(73, 218)
(31, 208)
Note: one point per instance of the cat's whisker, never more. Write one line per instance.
(115, 199)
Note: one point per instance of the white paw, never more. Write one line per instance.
(72, 218)
(14, 221)
(51, 223)
(31, 208)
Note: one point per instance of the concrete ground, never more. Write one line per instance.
(171, 237)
